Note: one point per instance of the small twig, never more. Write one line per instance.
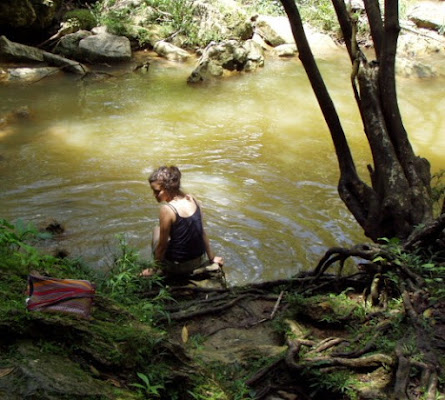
(277, 304)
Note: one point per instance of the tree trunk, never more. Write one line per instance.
(400, 196)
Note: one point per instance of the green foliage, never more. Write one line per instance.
(115, 338)
(226, 381)
(125, 285)
(153, 20)
(336, 307)
(196, 341)
(14, 237)
(320, 13)
(337, 381)
(224, 384)
(115, 20)
(18, 253)
(123, 281)
(266, 7)
(84, 18)
(147, 388)
(426, 264)
(438, 190)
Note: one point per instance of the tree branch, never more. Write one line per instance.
(374, 14)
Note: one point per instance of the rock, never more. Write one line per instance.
(66, 28)
(26, 14)
(99, 30)
(52, 376)
(52, 226)
(11, 51)
(321, 44)
(357, 6)
(229, 55)
(428, 14)
(170, 51)
(414, 69)
(419, 43)
(105, 47)
(255, 55)
(274, 30)
(18, 13)
(258, 39)
(64, 63)
(68, 46)
(286, 50)
(29, 74)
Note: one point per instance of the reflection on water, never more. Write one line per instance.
(254, 149)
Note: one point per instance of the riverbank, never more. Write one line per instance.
(420, 49)
(303, 338)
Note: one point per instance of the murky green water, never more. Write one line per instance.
(254, 149)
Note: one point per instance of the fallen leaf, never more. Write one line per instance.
(6, 371)
(185, 334)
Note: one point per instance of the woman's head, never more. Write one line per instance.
(165, 182)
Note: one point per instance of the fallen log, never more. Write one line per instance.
(16, 52)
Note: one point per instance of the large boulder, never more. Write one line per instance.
(420, 44)
(414, 69)
(286, 50)
(170, 51)
(11, 51)
(16, 52)
(276, 31)
(226, 57)
(16, 13)
(105, 47)
(428, 14)
(26, 75)
(68, 46)
(28, 14)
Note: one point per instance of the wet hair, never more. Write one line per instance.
(168, 177)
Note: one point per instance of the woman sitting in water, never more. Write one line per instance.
(180, 243)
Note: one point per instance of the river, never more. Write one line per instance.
(253, 148)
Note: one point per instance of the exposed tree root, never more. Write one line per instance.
(180, 316)
(414, 361)
(431, 233)
(371, 361)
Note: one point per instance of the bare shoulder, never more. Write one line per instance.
(192, 198)
(166, 211)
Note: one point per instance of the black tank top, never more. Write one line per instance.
(186, 237)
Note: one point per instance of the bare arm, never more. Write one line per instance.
(166, 219)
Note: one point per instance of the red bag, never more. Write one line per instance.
(73, 296)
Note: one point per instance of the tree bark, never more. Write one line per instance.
(400, 196)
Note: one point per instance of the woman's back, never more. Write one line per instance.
(186, 234)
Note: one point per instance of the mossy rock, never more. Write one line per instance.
(35, 371)
(84, 18)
